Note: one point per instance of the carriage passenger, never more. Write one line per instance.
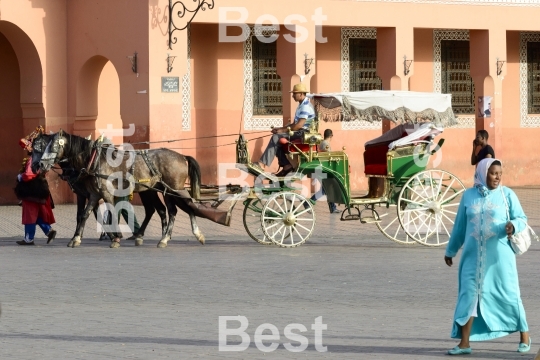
(305, 113)
(33, 190)
(324, 146)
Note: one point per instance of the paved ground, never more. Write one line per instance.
(380, 300)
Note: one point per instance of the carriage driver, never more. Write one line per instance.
(305, 113)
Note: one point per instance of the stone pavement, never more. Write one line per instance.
(380, 300)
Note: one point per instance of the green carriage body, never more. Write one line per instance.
(402, 163)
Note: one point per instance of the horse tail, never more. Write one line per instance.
(194, 173)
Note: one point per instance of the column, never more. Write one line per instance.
(392, 45)
(485, 47)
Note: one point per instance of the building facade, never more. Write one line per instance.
(120, 68)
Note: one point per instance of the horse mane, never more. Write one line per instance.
(79, 152)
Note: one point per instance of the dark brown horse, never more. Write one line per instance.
(117, 173)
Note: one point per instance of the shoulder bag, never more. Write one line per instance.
(521, 241)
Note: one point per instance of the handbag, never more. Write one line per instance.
(521, 241)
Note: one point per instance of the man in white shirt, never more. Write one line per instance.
(305, 113)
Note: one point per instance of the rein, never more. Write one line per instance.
(192, 148)
(195, 138)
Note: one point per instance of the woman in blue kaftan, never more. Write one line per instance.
(489, 302)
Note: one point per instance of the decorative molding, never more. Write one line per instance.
(260, 122)
(186, 88)
(464, 121)
(526, 120)
(348, 33)
(520, 3)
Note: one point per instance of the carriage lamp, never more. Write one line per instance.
(133, 59)
(170, 60)
(406, 65)
(500, 64)
(307, 64)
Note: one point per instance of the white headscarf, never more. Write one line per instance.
(480, 176)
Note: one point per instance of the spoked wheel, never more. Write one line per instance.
(390, 226)
(288, 219)
(252, 221)
(428, 204)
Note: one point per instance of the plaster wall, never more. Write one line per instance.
(71, 54)
(36, 32)
(101, 31)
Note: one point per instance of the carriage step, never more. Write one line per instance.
(369, 220)
(350, 217)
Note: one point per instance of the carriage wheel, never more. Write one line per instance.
(252, 221)
(389, 224)
(428, 204)
(286, 221)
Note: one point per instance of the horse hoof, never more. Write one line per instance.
(162, 244)
(76, 243)
(70, 244)
(114, 245)
(201, 239)
(138, 242)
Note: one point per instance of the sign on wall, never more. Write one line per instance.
(169, 84)
(484, 106)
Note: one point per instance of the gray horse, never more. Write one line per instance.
(77, 183)
(115, 172)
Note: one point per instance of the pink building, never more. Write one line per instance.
(93, 67)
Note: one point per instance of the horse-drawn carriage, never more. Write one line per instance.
(407, 202)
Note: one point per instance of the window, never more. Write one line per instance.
(456, 75)
(363, 65)
(533, 77)
(267, 98)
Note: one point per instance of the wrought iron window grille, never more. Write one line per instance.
(363, 65)
(456, 75)
(533, 70)
(184, 14)
(267, 85)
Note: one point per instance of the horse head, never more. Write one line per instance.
(54, 152)
(39, 144)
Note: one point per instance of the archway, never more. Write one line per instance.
(98, 100)
(21, 107)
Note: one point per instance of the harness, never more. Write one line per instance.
(93, 168)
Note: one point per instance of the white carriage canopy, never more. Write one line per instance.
(400, 107)
(406, 134)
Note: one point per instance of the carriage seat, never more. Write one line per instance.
(288, 148)
(375, 158)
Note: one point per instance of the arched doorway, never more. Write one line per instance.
(21, 107)
(108, 120)
(98, 100)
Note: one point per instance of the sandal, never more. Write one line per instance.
(459, 351)
(523, 348)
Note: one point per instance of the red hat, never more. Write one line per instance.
(25, 144)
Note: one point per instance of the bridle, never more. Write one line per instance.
(50, 155)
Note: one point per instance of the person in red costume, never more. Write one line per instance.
(33, 190)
